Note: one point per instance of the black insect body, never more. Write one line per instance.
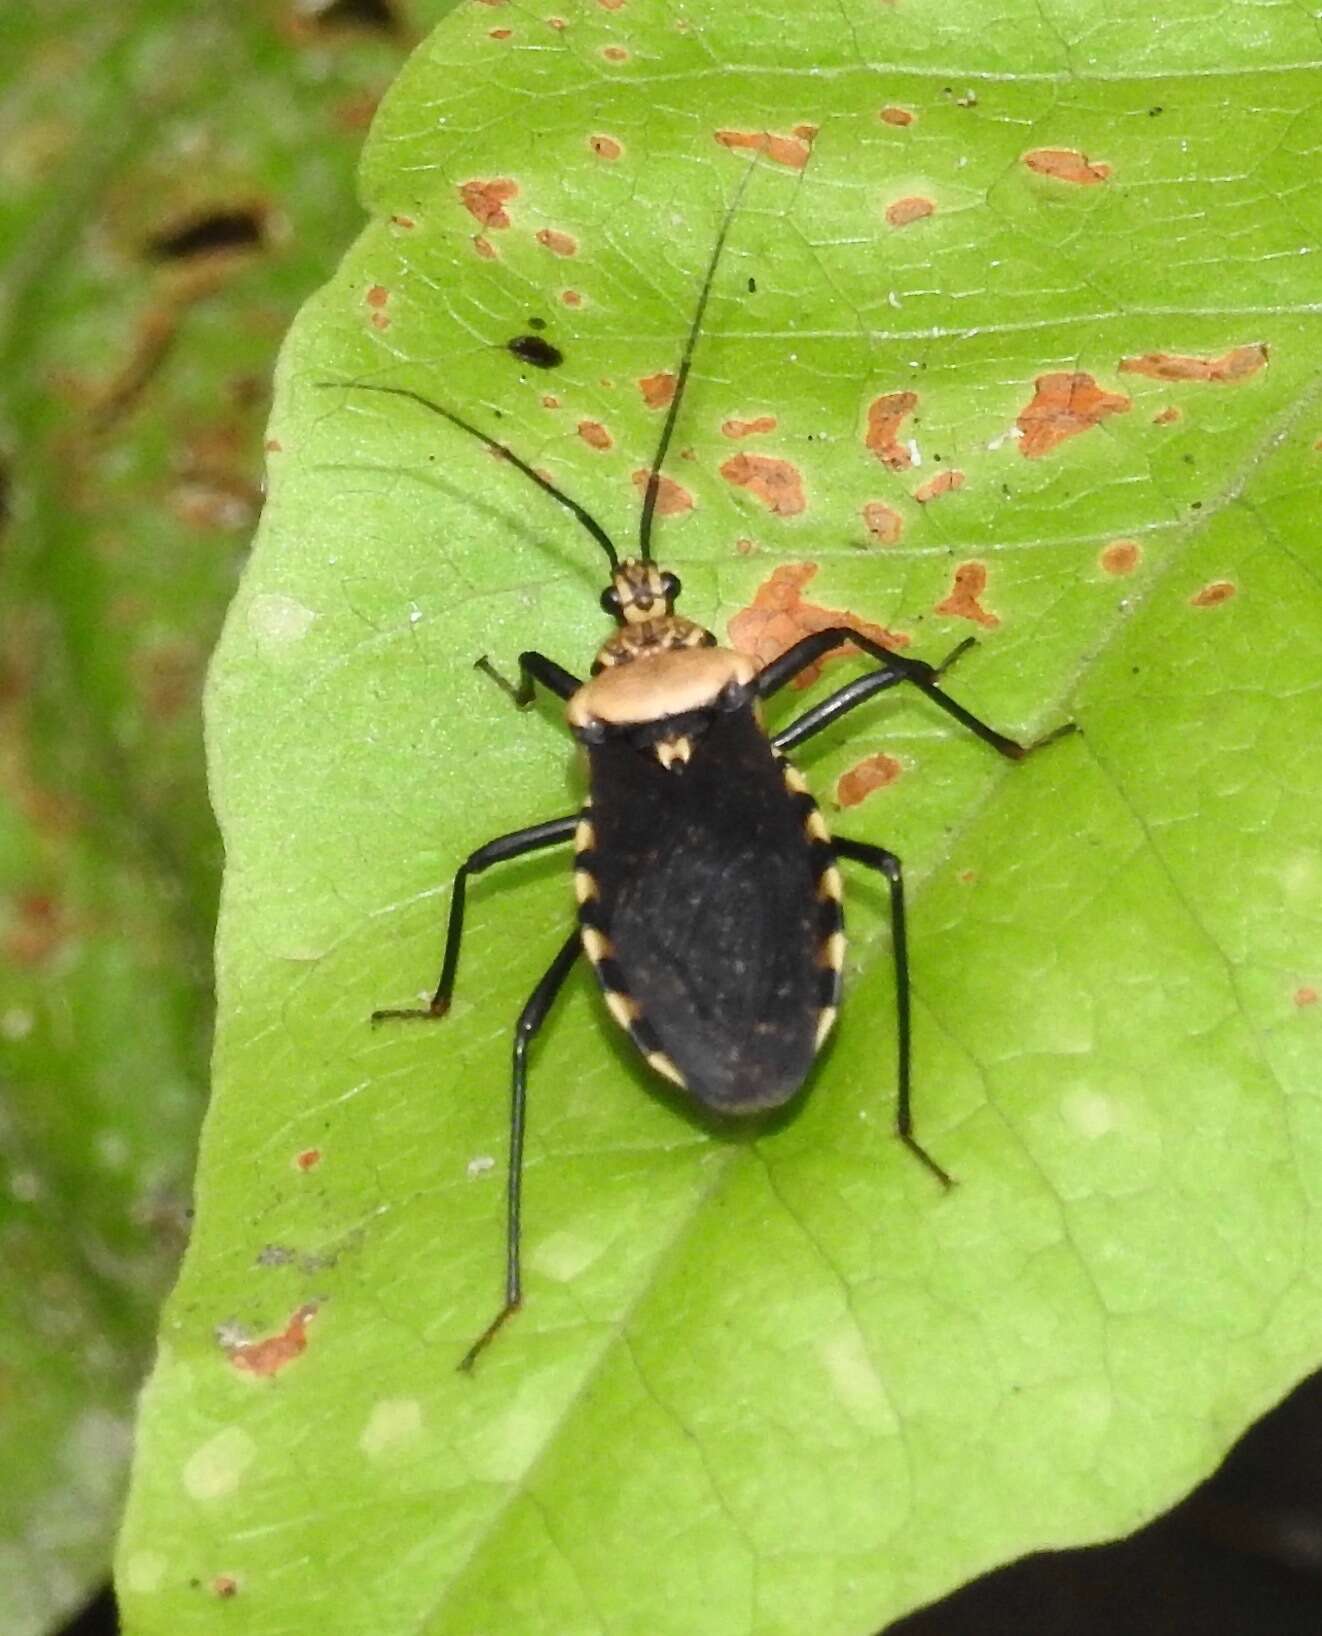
(709, 890)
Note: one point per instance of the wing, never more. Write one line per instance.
(716, 891)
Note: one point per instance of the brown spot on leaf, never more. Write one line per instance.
(1120, 557)
(556, 23)
(671, 499)
(747, 428)
(1307, 995)
(885, 417)
(902, 212)
(657, 389)
(168, 677)
(37, 929)
(273, 445)
(883, 522)
(744, 546)
(776, 483)
(605, 147)
(611, 5)
(614, 53)
(897, 116)
(943, 483)
(1236, 365)
(484, 247)
(559, 244)
(571, 298)
(549, 401)
(1065, 403)
(594, 434)
(874, 772)
(308, 1159)
(1067, 165)
(485, 201)
(1167, 416)
(792, 150)
(269, 1356)
(225, 1586)
(778, 617)
(500, 33)
(1220, 590)
(403, 221)
(962, 603)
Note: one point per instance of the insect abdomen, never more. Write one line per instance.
(709, 902)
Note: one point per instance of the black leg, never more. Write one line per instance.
(917, 671)
(877, 857)
(502, 848)
(852, 694)
(530, 1020)
(533, 668)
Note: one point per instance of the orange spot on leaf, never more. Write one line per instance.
(559, 244)
(605, 147)
(486, 201)
(792, 150)
(671, 499)
(611, 5)
(776, 483)
(273, 445)
(1167, 416)
(778, 617)
(571, 298)
(1064, 404)
(872, 773)
(885, 417)
(1220, 590)
(225, 1586)
(377, 296)
(1120, 557)
(1236, 365)
(935, 487)
(594, 434)
(963, 603)
(747, 428)
(897, 116)
(308, 1159)
(403, 221)
(1067, 165)
(657, 389)
(500, 33)
(550, 401)
(883, 522)
(901, 212)
(268, 1357)
(484, 247)
(614, 53)
(1306, 995)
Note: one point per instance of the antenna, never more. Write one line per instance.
(584, 516)
(681, 380)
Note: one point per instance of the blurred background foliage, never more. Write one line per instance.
(175, 178)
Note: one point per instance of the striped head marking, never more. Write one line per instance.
(640, 592)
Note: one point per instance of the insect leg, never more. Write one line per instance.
(530, 1020)
(502, 848)
(851, 694)
(918, 671)
(877, 857)
(533, 668)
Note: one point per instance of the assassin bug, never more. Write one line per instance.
(709, 890)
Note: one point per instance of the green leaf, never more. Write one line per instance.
(132, 402)
(773, 1381)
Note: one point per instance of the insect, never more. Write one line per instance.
(709, 890)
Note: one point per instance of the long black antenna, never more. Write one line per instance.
(681, 379)
(584, 516)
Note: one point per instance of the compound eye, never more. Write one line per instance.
(670, 586)
(610, 602)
